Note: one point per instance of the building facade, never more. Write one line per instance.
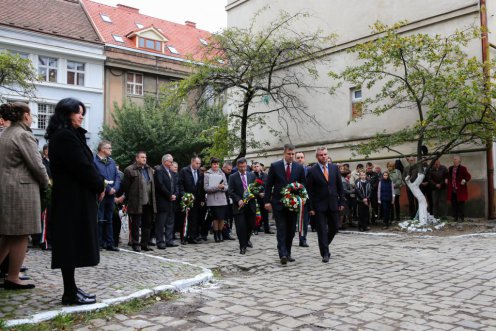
(351, 21)
(142, 52)
(66, 53)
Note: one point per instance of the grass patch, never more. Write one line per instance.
(217, 273)
(68, 321)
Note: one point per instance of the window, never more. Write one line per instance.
(139, 26)
(22, 55)
(75, 73)
(150, 44)
(118, 38)
(134, 83)
(203, 41)
(356, 102)
(105, 18)
(47, 69)
(45, 111)
(172, 50)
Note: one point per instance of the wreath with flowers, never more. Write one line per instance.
(253, 190)
(294, 195)
(187, 201)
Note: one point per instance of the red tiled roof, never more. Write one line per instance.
(185, 38)
(64, 18)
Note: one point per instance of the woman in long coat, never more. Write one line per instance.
(76, 187)
(22, 173)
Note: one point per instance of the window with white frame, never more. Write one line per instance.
(173, 50)
(118, 38)
(139, 26)
(134, 83)
(356, 102)
(45, 111)
(47, 69)
(106, 18)
(75, 73)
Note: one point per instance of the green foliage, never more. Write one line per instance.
(17, 74)
(249, 67)
(157, 130)
(430, 75)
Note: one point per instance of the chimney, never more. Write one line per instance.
(191, 24)
(131, 9)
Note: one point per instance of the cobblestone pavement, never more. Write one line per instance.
(373, 282)
(118, 274)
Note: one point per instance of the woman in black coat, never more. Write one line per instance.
(76, 189)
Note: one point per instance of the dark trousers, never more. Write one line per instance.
(386, 207)
(395, 210)
(412, 203)
(375, 206)
(116, 227)
(327, 227)
(143, 221)
(164, 227)
(363, 215)
(265, 216)
(354, 208)
(245, 223)
(226, 231)
(193, 223)
(105, 216)
(439, 203)
(306, 220)
(205, 223)
(286, 227)
(458, 207)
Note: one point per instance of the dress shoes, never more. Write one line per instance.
(193, 241)
(8, 285)
(242, 251)
(86, 295)
(146, 248)
(325, 259)
(228, 237)
(136, 248)
(249, 244)
(290, 259)
(172, 245)
(112, 249)
(268, 232)
(284, 260)
(184, 242)
(76, 299)
(303, 244)
(23, 269)
(160, 246)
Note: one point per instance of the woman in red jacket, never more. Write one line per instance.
(458, 176)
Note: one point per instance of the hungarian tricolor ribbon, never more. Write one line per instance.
(300, 215)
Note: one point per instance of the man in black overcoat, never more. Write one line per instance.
(326, 193)
(191, 181)
(282, 173)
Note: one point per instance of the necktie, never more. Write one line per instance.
(288, 171)
(195, 176)
(326, 175)
(244, 181)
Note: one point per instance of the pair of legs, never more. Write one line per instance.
(363, 211)
(458, 207)
(245, 223)
(395, 212)
(13, 248)
(105, 226)
(164, 221)
(327, 227)
(218, 226)
(286, 227)
(143, 221)
(386, 211)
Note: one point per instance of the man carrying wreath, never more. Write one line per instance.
(281, 174)
(326, 200)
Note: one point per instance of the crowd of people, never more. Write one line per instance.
(167, 206)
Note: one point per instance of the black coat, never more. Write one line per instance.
(187, 184)
(276, 181)
(236, 191)
(76, 184)
(165, 187)
(324, 195)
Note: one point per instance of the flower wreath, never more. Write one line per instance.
(187, 201)
(294, 197)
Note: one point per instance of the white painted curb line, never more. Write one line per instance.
(176, 286)
(385, 234)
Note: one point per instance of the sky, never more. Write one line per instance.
(208, 15)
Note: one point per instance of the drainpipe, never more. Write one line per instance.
(489, 144)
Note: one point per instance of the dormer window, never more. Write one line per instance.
(153, 45)
(106, 18)
(172, 50)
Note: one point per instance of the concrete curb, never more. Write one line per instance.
(384, 234)
(177, 286)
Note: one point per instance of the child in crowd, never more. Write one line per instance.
(362, 192)
(385, 197)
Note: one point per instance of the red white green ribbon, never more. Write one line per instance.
(300, 215)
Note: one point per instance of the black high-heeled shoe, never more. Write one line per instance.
(76, 299)
(86, 295)
(8, 285)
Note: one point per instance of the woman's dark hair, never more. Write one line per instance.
(214, 160)
(13, 111)
(62, 116)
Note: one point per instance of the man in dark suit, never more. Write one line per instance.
(191, 181)
(282, 173)
(260, 174)
(165, 195)
(244, 214)
(326, 195)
